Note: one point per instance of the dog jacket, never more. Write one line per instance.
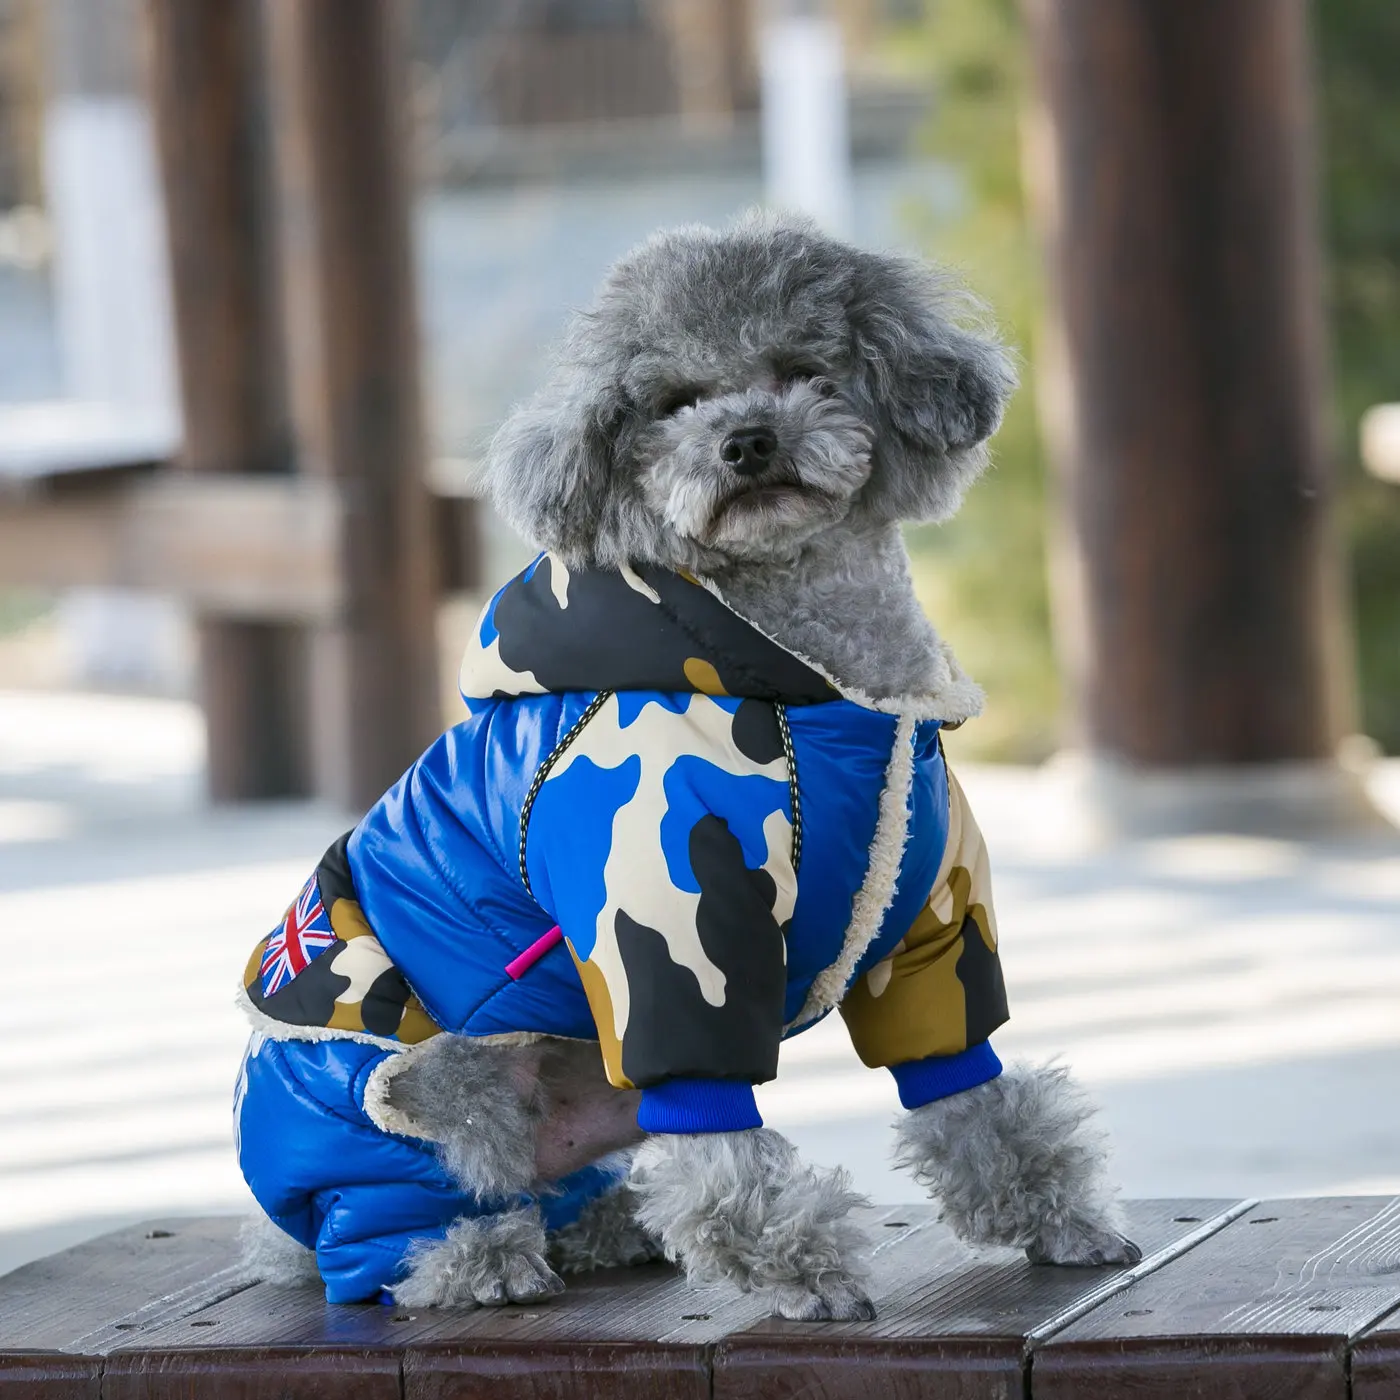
(657, 829)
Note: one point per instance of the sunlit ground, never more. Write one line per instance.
(1235, 1002)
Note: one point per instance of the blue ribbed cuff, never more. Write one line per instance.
(940, 1076)
(698, 1106)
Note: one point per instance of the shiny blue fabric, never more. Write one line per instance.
(436, 861)
(436, 869)
(337, 1183)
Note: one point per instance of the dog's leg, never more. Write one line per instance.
(268, 1254)
(508, 1120)
(1017, 1161)
(606, 1235)
(742, 1206)
(490, 1260)
(481, 1105)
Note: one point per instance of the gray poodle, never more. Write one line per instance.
(734, 433)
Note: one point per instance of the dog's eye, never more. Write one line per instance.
(687, 396)
(789, 375)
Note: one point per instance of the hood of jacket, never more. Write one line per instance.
(555, 629)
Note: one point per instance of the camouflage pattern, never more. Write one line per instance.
(552, 629)
(352, 986)
(680, 946)
(631, 772)
(940, 988)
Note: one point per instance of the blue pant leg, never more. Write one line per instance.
(329, 1176)
(339, 1184)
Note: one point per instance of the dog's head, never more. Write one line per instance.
(731, 395)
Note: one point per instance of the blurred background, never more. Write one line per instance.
(271, 273)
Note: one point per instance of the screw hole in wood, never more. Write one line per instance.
(1186, 1219)
(160, 1234)
(1263, 1220)
(695, 1317)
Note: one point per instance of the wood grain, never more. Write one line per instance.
(38, 1376)
(961, 1317)
(539, 1371)
(1266, 1306)
(1176, 193)
(89, 1298)
(1232, 1299)
(252, 1374)
(1375, 1361)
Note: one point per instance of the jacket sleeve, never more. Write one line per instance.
(927, 1010)
(661, 841)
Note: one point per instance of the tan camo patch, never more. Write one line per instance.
(595, 988)
(703, 676)
(912, 1004)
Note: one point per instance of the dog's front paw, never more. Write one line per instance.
(526, 1278)
(1079, 1243)
(833, 1297)
(483, 1262)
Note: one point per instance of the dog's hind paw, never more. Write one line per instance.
(832, 1298)
(1082, 1245)
(487, 1261)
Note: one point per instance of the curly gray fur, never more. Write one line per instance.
(859, 569)
(488, 1261)
(606, 1235)
(879, 403)
(1017, 1161)
(481, 1105)
(742, 1206)
(268, 1254)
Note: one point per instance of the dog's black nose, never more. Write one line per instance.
(749, 450)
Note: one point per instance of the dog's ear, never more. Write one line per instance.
(934, 391)
(550, 470)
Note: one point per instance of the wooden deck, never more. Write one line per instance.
(1240, 1299)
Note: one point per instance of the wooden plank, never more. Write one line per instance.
(247, 1344)
(350, 306)
(239, 547)
(1265, 1307)
(545, 1371)
(252, 1374)
(53, 1377)
(952, 1321)
(1199, 596)
(944, 1310)
(1375, 1361)
(84, 1299)
(212, 128)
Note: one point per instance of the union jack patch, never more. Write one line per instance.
(305, 933)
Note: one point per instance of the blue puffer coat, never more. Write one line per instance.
(656, 829)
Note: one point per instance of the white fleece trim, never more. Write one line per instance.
(377, 1107)
(877, 891)
(954, 696)
(274, 1029)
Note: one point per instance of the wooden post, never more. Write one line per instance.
(350, 320)
(212, 126)
(1173, 146)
